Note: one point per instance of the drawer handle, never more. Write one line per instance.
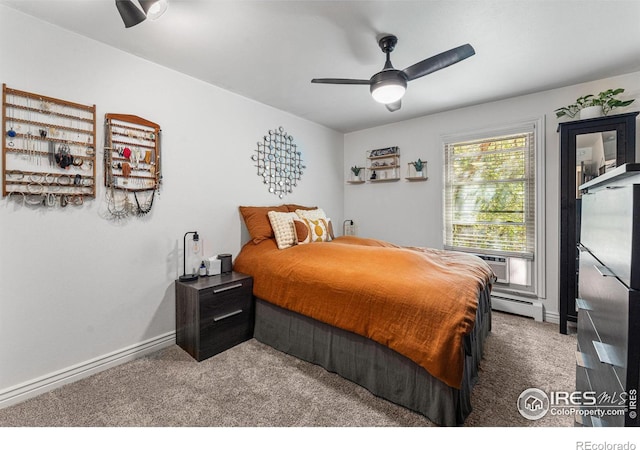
(604, 271)
(580, 359)
(225, 316)
(227, 288)
(583, 304)
(583, 360)
(607, 354)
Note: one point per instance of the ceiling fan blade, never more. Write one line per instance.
(394, 106)
(440, 61)
(339, 81)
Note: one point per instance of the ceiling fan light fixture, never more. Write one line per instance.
(388, 93)
(154, 8)
(388, 87)
(131, 15)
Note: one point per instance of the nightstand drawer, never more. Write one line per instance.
(225, 299)
(219, 335)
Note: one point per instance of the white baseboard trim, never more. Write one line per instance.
(552, 317)
(527, 308)
(46, 383)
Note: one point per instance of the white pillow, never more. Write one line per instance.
(311, 214)
(283, 228)
(318, 224)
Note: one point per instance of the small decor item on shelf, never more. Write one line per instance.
(279, 162)
(416, 170)
(418, 165)
(373, 175)
(355, 170)
(196, 248)
(590, 106)
(132, 164)
(383, 152)
(47, 151)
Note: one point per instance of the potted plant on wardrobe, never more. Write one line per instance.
(608, 101)
(590, 106)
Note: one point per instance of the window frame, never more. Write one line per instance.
(536, 126)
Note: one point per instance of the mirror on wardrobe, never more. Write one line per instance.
(595, 155)
(588, 148)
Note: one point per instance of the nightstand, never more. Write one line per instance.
(214, 313)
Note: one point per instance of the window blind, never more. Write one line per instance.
(490, 194)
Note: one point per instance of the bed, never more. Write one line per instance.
(408, 324)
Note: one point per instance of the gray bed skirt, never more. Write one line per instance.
(379, 369)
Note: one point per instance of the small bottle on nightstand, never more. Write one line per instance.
(203, 269)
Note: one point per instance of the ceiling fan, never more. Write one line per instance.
(389, 85)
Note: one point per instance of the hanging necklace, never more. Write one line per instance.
(12, 133)
(111, 205)
(142, 210)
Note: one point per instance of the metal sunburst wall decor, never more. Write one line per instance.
(279, 162)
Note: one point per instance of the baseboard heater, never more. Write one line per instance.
(517, 305)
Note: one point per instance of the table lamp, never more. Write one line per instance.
(184, 276)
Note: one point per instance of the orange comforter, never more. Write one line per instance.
(419, 302)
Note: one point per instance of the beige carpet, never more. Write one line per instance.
(253, 385)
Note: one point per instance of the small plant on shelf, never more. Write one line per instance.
(356, 171)
(418, 165)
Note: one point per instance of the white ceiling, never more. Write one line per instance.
(270, 50)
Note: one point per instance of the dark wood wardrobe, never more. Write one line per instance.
(588, 148)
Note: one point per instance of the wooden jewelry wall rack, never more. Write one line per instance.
(48, 150)
(132, 172)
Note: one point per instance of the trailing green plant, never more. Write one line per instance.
(356, 170)
(606, 100)
(418, 165)
(574, 109)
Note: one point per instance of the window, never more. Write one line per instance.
(490, 199)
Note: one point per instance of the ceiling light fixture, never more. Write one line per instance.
(388, 86)
(154, 8)
(132, 15)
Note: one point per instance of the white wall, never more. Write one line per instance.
(410, 213)
(74, 285)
